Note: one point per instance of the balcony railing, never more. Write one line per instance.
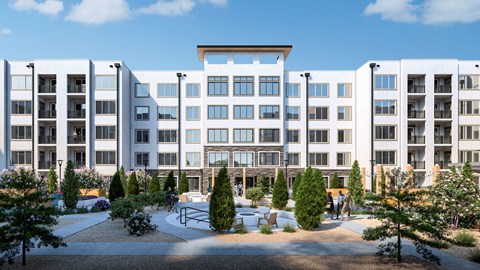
(418, 164)
(77, 88)
(76, 114)
(47, 88)
(416, 114)
(45, 164)
(441, 163)
(47, 114)
(43, 139)
(443, 114)
(416, 89)
(79, 164)
(443, 139)
(416, 139)
(77, 139)
(443, 89)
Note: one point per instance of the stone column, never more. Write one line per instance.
(387, 178)
(364, 178)
(378, 177)
(213, 177)
(275, 176)
(410, 180)
(244, 187)
(435, 174)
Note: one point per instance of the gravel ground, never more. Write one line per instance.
(67, 221)
(369, 222)
(220, 262)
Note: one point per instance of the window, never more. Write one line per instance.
(217, 112)
(105, 107)
(386, 107)
(472, 156)
(269, 159)
(470, 133)
(106, 82)
(343, 159)
(243, 112)
(193, 135)
(167, 136)
(269, 112)
(21, 107)
(193, 90)
(142, 90)
(344, 136)
(142, 136)
(344, 113)
(469, 82)
(293, 135)
(318, 136)
(193, 184)
(141, 159)
(105, 157)
(21, 82)
(318, 113)
(218, 135)
(218, 159)
(193, 159)
(385, 133)
(193, 113)
(269, 135)
(344, 90)
(243, 135)
(167, 113)
(269, 85)
(243, 85)
(166, 90)
(105, 132)
(385, 157)
(293, 113)
(318, 159)
(21, 133)
(21, 157)
(217, 85)
(470, 107)
(142, 113)
(243, 159)
(293, 159)
(167, 159)
(385, 82)
(293, 90)
(318, 89)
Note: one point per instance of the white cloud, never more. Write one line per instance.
(451, 11)
(5, 31)
(169, 8)
(47, 7)
(216, 2)
(395, 10)
(99, 11)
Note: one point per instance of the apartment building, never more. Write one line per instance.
(243, 111)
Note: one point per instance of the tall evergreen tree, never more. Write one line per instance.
(183, 187)
(310, 199)
(264, 184)
(70, 187)
(355, 186)
(170, 182)
(336, 182)
(154, 184)
(222, 206)
(133, 188)
(296, 184)
(116, 189)
(123, 179)
(280, 191)
(467, 172)
(52, 180)
(383, 184)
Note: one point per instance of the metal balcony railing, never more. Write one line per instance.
(443, 89)
(77, 139)
(76, 114)
(44, 139)
(45, 164)
(416, 139)
(418, 164)
(441, 163)
(47, 114)
(416, 89)
(77, 88)
(443, 114)
(443, 139)
(416, 114)
(47, 89)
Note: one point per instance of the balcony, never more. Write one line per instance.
(415, 89)
(47, 89)
(416, 139)
(77, 139)
(443, 89)
(443, 114)
(76, 114)
(45, 164)
(47, 114)
(443, 139)
(44, 139)
(443, 164)
(77, 88)
(418, 165)
(416, 114)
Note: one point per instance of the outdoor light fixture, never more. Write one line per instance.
(145, 180)
(285, 162)
(179, 118)
(60, 162)
(307, 94)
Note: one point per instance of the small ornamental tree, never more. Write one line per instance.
(296, 184)
(132, 187)
(70, 187)
(222, 206)
(116, 189)
(123, 179)
(183, 186)
(154, 184)
(169, 182)
(143, 180)
(89, 179)
(264, 184)
(355, 186)
(52, 180)
(280, 191)
(310, 199)
(254, 194)
(28, 222)
(336, 182)
(383, 183)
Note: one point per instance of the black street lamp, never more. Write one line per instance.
(60, 162)
(285, 162)
(179, 117)
(32, 66)
(372, 106)
(145, 180)
(307, 95)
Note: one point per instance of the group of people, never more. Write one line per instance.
(171, 200)
(343, 205)
(238, 189)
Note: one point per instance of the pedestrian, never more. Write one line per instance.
(169, 199)
(176, 198)
(330, 206)
(240, 189)
(340, 201)
(235, 190)
(346, 206)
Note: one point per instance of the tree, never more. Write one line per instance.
(52, 180)
(406, 214)
(264, 184)
(254, 194)
(116, 189)
(280, 191)
(183, 187)
(154, 184)
(133, 188)
(89, 179)
(70, 187)
(143, 180)
(170, 182)
(222, 206)
(336, 182)
(29, 222)
(383, 183)
(296, 184)
(355, 186)
(310, 199)
(123, 179)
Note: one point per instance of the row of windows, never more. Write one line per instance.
(25, 157)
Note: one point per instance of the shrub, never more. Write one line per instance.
(280, 191)
(311, 199)
(474, 255)
(133, 188)
(238, 205)
(157, 198)
(266, 229)
(123, 208)
(464, 239)
(289, 209)
(264, 184)
(154, 184)
(143, 199)
(289, 228)
(95, 209)
(336, 182)
(140, 223)
(296, 184)
(355, 185)
(70, 187)
(222, 207)
(371, 196)
(255, 194)
(169, 182)
(438, 244)
(123, 179)
(116, 188)
(82, 210)
(90, 179)
(183, 186)
(52, 180)
(241, 229)
(253, 206)
(102, 205)
(68, 211)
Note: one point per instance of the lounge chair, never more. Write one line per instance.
(263, 210)
(271, 220)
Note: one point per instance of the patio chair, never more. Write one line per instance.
(207, 197)
(183, 198)
(263, 210)
(271, 220)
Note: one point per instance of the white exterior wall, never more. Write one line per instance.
(3, 117)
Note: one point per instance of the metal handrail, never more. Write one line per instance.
(184, 218)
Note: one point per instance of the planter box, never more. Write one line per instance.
(87, 203)
(94, 192)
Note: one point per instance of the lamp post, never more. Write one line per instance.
(307, 94)
(179, 161)
(117, 66)
(32, 67)
(145, 180)
(372, 105)
(285, 162)
(60, 162)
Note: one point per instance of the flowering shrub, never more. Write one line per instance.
(123, 208)
(90, 179)
(139, 223)
(102, 204)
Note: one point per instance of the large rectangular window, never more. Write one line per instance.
(21, 133)
(293, 159)
(218, 135)
(385, 82)
(105, 132)
(21, 82)
(472, 156)
(269, 85)
(142, 113)
(385, 107)
(167, 136)
(318, 136)
(243, 159)
(318, 159)
(293, 113)
(293, 90)
(218, 159)
(193, 135)
(469, 82)
(167, 159)
(193, 159)
(385, 157)
(105, 157)
(269, 158)
(193, 90)
(141, 159)
(105, 107)
(243, 112)
(293, 135)
(385, 133)
(166, 90)
(193, 113)
(470, 107)
(344, 90)
(269, 135)
(167, 113)
(217, 112)
(470, 133)
(105, 82)
(142, 90)
(142, 136)
(21, 158)
(243, 135)
(318, 113)
(269, 112)
(21, 107)
(243, 85)
(217, 85)
(344, 136)
(343, 159)
(344, 113)
(318, 90)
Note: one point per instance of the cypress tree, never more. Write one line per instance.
(222, 207)
(280, 191)
(133, 188)
(52, 180)
(336, 182)
(467, 172)
(183, 187)
(116, 189)
(383, 183)
(170, 182)
(296, 184)
(355, 186)
(154, 184)
(70, 187)
(311, 199)
(123, 179)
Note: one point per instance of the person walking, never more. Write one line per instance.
(176, 198)
(340, 202)
(346, 206)
(330, 205)
(169, 199)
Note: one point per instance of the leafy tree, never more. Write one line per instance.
(296, 184)
(255, 194)
(310, 199)
(383, 183)
(336, 182)
(183, 187)
(70, 187)
(264, 184)
(169, 182)
(52, 180)
(123, 179)
(90, 179)
(133, 188)
(143, 180)
(355, 186)
(28, 222)
(116, 189)
(222, 207)
(154, 184)
(280, 191)
(406, 215)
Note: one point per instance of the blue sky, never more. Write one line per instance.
(163, 34)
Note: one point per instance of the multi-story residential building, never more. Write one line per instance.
(243, 111)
